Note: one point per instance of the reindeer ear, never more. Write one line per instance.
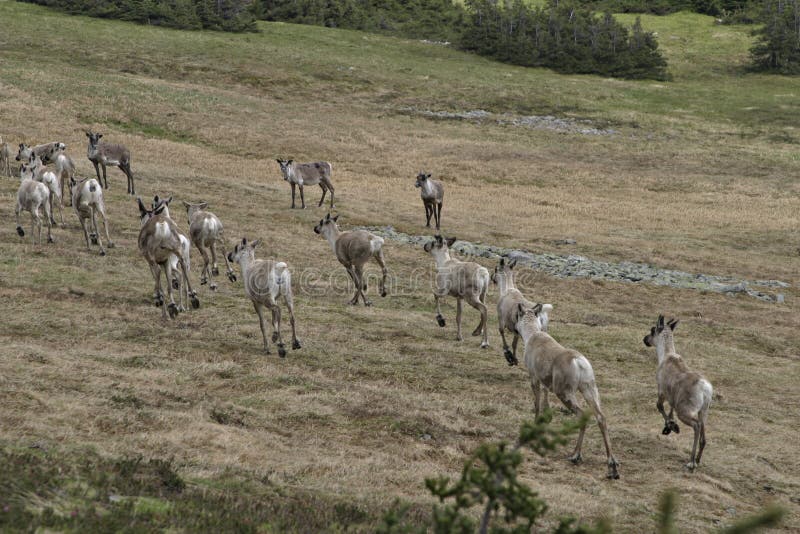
(537, 309)
(335, 218)
(512, 263)
(255, 243)
(427, 246)
(450, 241)
(279, 161)
(99, 135)
(328, 217)
(290, 162)
(244, 241)
(502, 262)
(186, 204)
(521, 309)
(168, 201)
(672, 324)
(428, 175)
(142, 209)
(203, 205)
(437, 238)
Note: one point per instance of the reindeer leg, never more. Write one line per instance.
(171, 307)
(214, 268)
(438, 215)
(702, 438)
(102, 211)
(510, 358)
(437, 297)
(126, 168)
(330, 188)
(359, 271)
(85, 232)
(228, 268)
(324, 191)
(384, 271)
(48, 216)
(697, 426)
(592, 397)
(481, 328)
(428, 214)
(105, 178)
(293, 186)
(97, 232)
(17, 211)
(459, 337)
(50, 198)
(669, 424)
(536, 386)
(571, 403)
(302, 198)
(276, 324)
(289, 299)
(185, 272)
(204, 273)
(34, 221)
(258, 306)
(352, 274)
(97, 172)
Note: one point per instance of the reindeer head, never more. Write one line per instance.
(144, 214)
(191, 209)
(243, 249)
(161, 204)
(285, 167)
(538, 316)
(94, 138)
(421, 178)
(503, 269)
(659, 331)
(24, 152)
(327, 222)
(438, 244)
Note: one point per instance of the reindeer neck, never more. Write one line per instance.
(332, 233)
(506, 283)
(664, 347)
(442, 257)
(528, 328)
(427, 188)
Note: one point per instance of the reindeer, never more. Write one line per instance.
(65, 171)
(688, 393)
(37, 171)
(186, 250)
(432, 193)
(564, 372)
(31, 196)
(46, 152)
(464, 280)
(205, 229)
(5, 158)
(264, 282)
(302, 174)
(353, 249)
(510, 297)
(159, 238)
(87, 199)
(102, 154)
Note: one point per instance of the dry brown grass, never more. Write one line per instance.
(346, 414)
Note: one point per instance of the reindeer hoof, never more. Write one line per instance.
(440, 320)
(612, 474)
(296, 345)
(50, 239)
(510, 358)
(274, 337)
(691, 466)
(215, 271)
(102, 252)
(195, 302)
(674, 427)
(93, 239)
(383, 293)
(203, 281)
(575, 458)
(666, 430)
(231, 277)
(485, 345)
(20, 231)
(176, 284)
(281, 351)
(173, 310)
(111, 244)
(159, 302)
(367, 303)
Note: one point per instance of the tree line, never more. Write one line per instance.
(570, 36)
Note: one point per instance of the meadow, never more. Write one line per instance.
(700, 175)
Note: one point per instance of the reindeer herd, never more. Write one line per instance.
(166, 249)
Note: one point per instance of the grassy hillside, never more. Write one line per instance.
(700, 176)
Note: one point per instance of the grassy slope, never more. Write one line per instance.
(700, 177)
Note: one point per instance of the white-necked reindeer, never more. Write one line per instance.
(159, 238)
(205, 230)
(46, 152)
(464, 280)
(264, 282)
(353, 249)
(563, 371)
(303, 174)
(186, 249)
(688, 393)
(432, 193)
(102, 154)
(87, 200)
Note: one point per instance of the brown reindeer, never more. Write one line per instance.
(353, 249)
(102, 154)
(303, 174)
(205, 229)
